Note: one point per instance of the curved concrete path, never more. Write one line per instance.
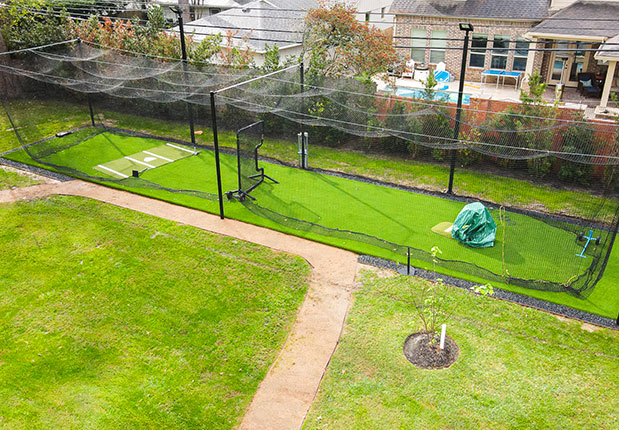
(285, 395)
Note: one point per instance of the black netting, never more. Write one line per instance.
(380, 162)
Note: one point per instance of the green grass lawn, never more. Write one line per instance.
(10, 179)
(393, 215)
(518, 368)
(113, 319)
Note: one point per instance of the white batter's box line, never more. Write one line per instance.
(181, 148)
(152, 154)
(122, 175)
(140, 162)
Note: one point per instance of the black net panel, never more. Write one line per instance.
(379, 160)
(547, 175)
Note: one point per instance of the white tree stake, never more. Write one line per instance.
(443, 329)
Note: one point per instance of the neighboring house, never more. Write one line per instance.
(498, 24)
(578, 24)
(259, 24)
(375, 12)
(200, 8)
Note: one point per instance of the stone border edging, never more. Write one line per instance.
(499, 293)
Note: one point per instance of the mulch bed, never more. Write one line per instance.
(419, 351)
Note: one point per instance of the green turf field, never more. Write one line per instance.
(533, 249)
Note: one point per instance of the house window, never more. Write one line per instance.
(437, 46)
(418, 50)
(520, 54)
(478, 50)
(382, 12)
(367, 17)
(500, 48)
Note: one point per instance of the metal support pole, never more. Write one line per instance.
(90, 109)
(303, 150)
(408, 263)
(456, 135)
(184, 58)
(217, 165)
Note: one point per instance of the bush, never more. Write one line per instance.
(581, 140)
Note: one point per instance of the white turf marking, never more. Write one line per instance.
(113, 171)
(140, 162)
(451, 227)
(149, 159)
(158, 156)
(178, 147)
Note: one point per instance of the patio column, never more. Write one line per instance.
(610, 77)
(530, 62)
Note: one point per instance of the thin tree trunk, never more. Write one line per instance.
(9, 84)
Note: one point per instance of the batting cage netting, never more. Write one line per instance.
(380, 158)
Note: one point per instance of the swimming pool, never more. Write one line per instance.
(446, 96)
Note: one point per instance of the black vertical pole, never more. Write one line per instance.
(302, 79)
(216, 145)
(456, 135)
(184, 57)
(92, 114)
(88, 96)
(408, 262)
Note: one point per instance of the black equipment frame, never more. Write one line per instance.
(240, 193)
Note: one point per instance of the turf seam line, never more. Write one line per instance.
(499, 293)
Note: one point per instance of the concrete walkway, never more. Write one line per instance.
(285, 395)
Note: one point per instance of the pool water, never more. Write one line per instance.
(446, 96)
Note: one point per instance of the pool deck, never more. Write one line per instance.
(507, 93)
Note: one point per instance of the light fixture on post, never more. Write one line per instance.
(467, 27)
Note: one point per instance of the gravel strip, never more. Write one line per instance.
(36, 170)
(499, 293)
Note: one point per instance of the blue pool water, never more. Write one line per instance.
(438, 95)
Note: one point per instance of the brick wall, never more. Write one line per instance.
(404, 25)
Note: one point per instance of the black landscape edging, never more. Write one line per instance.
(499, 293)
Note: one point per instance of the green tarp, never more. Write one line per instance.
(474, 226)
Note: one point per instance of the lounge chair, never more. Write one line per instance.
(588, 86)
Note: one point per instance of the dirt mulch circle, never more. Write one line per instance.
(419, 351)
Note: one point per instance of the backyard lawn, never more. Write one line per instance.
(10, 178)
(393, 215)
(112, 319)
(518, 368)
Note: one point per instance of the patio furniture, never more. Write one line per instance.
(514, 75)
(486, 73)
(443, 77)
(409, 69)
(422, 73)
(588, 86)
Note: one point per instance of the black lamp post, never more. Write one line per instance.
(467, 28)
(179, 13)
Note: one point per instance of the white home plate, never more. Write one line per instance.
(147, 159)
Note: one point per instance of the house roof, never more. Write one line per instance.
(609, 50)
(579, 19)
(503, 9)
(281, 27)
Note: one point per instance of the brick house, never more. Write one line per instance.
(577, 34)
(498, 26)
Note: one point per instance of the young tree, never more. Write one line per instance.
(338, 44)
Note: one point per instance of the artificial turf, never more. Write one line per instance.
(517, 369)
(533, 249)
(112, 319)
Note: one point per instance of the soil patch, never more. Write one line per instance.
(419, 351)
